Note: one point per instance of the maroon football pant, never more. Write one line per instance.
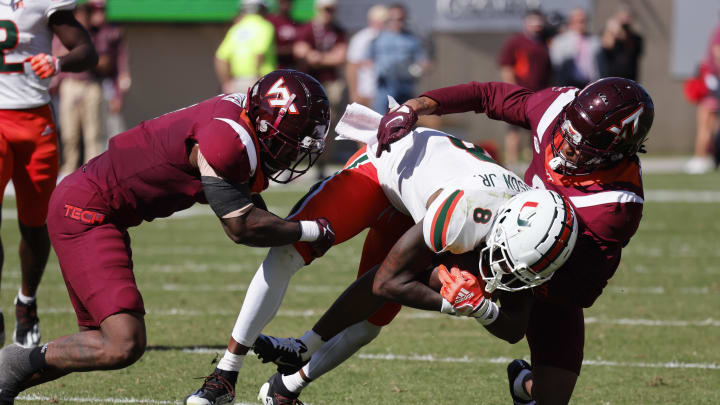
(94, 254)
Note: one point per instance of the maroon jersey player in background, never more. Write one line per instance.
(220, 151)
(585, 146)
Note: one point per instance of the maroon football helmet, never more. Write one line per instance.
(607, 122)
(291, 116)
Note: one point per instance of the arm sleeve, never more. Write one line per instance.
(226, 144)
(500, 101)
(226, 200)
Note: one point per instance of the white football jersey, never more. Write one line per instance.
(474, 187)
(24, 31)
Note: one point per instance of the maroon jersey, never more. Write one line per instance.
(285, 35)
(146, 173)
(322, 38)
(608, 202)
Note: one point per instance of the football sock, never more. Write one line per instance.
(519, 385)
(266, 292)
(231, 361)
(340, 348)
(24, 298)
(294, 382)
(312, 341)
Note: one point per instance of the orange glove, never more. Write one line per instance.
(44, 65)
(464, 293)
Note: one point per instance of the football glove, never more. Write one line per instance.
(44, 65)
(325, 239)
(394, 125)
(464, 293)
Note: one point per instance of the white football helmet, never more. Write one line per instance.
(532, 236)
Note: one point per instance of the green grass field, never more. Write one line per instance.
(652, 338)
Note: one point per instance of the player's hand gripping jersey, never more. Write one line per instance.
(27, 33)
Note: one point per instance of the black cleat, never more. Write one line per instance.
(515, 369)
(27, 327)
(274, 392)
(286, 353)
(216, 390)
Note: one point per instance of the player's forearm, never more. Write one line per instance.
(399, 276)
(422, 105)
(262, 229)
(413, 294)
(512, 321)
(80, 58)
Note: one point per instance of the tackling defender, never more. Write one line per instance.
(221, 151)
(28, 136)
(585, 148)
(412, 197)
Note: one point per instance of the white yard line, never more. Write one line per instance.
(497, 360)
(505, 360)
(110, 400)
(407, 314)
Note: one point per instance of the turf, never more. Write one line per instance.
(652, 337)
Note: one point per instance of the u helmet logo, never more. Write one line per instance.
(633, 119)
(527, 212)
(281, 96)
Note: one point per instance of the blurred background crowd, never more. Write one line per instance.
(362, 51)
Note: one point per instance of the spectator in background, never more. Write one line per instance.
(113, 68)
(360, 72)
(399, 60)
(621, 47)
(320, 51)
(574, 52)
(90, 102)
(285, 34)
(708, 107)
(248, 50)
(525, 60)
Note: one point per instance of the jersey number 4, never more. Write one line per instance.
(9, 42)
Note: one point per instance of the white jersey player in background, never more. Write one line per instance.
(28, 138)
(432, 194)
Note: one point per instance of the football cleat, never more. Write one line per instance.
(27, 326)
(286, 353)
(216, 390)
(274, 392)
(518, 369)
(15, 370)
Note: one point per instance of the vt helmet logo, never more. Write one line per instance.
(633, 119)
(280, 96)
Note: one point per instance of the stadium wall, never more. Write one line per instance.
(172, 66)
